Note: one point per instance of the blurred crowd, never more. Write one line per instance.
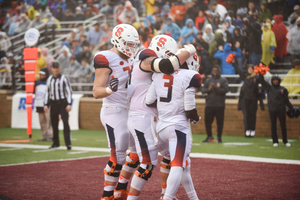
(256, 31)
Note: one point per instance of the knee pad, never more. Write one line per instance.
(165, 165)
(144, 171)
(132, 161)
(112, 169)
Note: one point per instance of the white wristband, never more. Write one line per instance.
(108, 90)
(190, 48)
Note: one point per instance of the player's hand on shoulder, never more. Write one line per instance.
(190, 48)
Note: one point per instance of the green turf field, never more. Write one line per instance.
(232, 145)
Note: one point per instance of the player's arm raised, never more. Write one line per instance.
(101, 77)
(169, 65)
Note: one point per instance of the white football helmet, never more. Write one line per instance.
(163, 45)
(193, 62)
(126, 39)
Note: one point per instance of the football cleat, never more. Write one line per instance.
(162, 197)
(209, 139)
(120, 194)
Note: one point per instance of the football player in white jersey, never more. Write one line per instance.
(175, 97)
(112, 71)
(159, 57)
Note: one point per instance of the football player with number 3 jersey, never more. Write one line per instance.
(159, 57)
(175, 96)
(112, 71)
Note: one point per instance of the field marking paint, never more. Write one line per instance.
(196, 144)
(41, 151)
(78, 152)
(10, 149)
(193, 155)
(237, 144)
(279, 140)
(244, 158)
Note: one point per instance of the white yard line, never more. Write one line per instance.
(193, 155)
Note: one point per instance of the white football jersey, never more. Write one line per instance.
(139, 85)
(121, 69)
(169, 91)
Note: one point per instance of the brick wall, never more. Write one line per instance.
(5, 108)
(89, 117)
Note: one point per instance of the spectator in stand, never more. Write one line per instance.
(188, 33)
(88, 13)
(62, 4)
(206, 66)
(159, 24)
(294, 40)
(178, 11)
(44, 11)
(228, 25)
(208, 35)
(89, 4)
(106, 8)
(4, 41)
(79, 15)
(83, 42)
(86, 54)
(277, 102)
(14, 7)
(129, 14)
(64, 58)
(294, 16)
(268, 44)
(71, 72)
(280, 32)
(24, 7)
(219, 9)
(203, 5)
(12, 22)
(119, 10)
(40, 89)
(69, 17)
(84, 74)
(31, 12)
(4, 73)
(172, 28)
(237, 37)
(239, 21)
(104, 41)
(264, 13)
(216, 88)
(251, 10)
(192, 11)
(199, 41)
(23, 24)
(199, 21)
(248, 98)
(51, 22)
(253, 44)
(222, 54)
(293, 79)
(214, 45)
(81, 31)
(41, 63)
(60, 14)
(36, 22)
(72, 37)
(76, 49)
(94, 35)
(150, 6)
(216, 24)
(165, 10)
(49, 58)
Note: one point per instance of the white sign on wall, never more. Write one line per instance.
(19, 114)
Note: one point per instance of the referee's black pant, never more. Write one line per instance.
(59, 108)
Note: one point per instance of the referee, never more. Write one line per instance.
(59, 97)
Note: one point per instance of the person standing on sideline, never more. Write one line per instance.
(59, 98)
(215, 88)
(112, 72)
(277, 101)
(40, 89)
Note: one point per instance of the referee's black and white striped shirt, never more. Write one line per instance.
(58, 89)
